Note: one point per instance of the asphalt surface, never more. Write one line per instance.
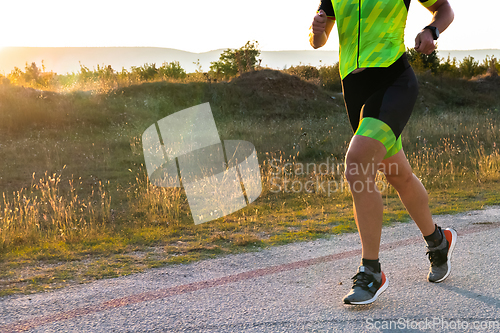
(292, 288)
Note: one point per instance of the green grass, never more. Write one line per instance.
(77, 205)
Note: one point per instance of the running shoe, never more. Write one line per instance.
(440, 256)
(367, 286)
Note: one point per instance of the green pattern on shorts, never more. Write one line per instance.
(376, 129)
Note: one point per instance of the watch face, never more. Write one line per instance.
(434, 30)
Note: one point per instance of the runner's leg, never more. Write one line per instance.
(412, 193)
(362, 159)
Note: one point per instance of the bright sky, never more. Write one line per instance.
(201, 25)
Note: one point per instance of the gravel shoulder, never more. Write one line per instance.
(292, 288)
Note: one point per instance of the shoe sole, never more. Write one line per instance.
(383, 287)
(452, 242)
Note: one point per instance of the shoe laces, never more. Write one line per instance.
(362, 280)
(437, 257)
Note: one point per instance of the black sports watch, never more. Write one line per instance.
(434, 30)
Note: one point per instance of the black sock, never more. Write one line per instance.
(373, 264)
(435, 238)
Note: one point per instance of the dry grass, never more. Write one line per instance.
(93, 217)
(45, 212)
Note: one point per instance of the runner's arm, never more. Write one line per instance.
(442, 17)
(320, 29)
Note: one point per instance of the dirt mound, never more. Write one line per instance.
(276, 83)
(488, 82)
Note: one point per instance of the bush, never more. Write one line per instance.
(449, 67)
(423, 62)
(490, 65)
(305, 72)
(469, 67)
(172, 70)
(32, 76)
(145, 72)
(233, 62)
(329, 77)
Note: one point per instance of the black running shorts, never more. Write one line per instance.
(380, 100)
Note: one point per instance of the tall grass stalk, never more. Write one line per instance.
(150, 205)
(45, 212)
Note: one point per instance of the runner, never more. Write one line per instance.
(380, 90)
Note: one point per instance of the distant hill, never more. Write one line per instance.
(66, 60)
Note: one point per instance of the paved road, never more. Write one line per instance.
(292, 288)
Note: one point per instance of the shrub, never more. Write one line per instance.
(305, 72)
(449, 67)
(145, 72)
(172, 70)
(423, 62)
(32, 76)
(330, 77)
(233, 62)
(469, 67)
(491, 65)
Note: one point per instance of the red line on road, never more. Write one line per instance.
(187, 288)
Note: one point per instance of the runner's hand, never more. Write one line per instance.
(319, 23)
(424, 42)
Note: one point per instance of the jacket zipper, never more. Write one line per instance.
(359, 30)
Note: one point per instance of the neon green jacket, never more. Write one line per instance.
(371, 32)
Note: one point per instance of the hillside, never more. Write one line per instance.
(63, 60)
